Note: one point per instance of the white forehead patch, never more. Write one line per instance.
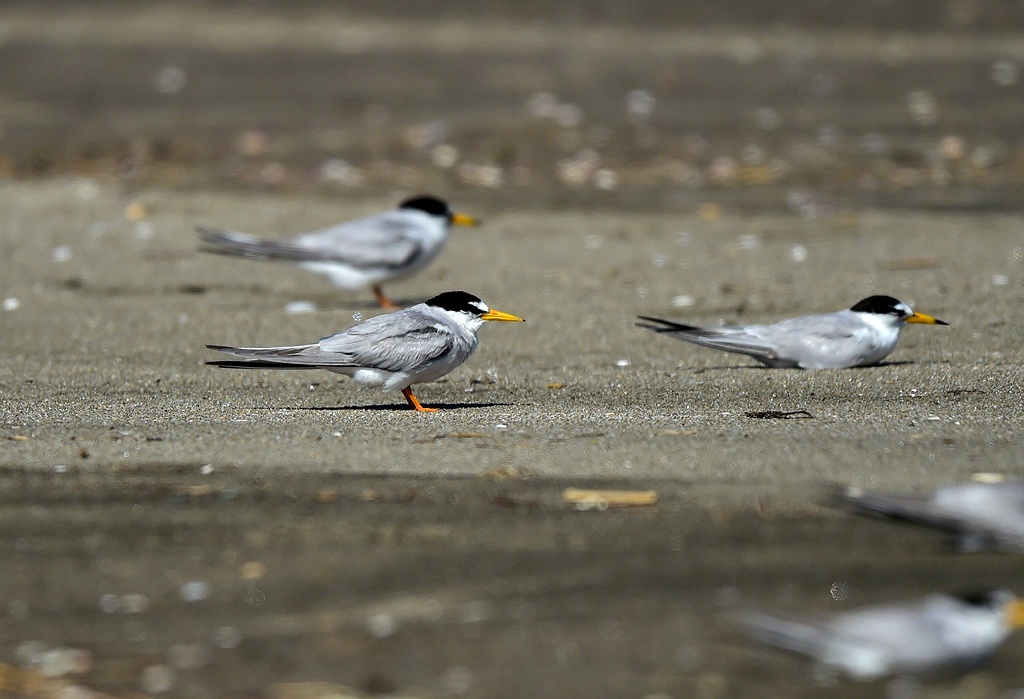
(481, 305)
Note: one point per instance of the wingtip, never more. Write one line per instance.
(649, 319)
(666, 326)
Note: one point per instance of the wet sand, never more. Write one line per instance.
(247, 531)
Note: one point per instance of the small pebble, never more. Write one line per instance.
(605, 179)
(144, 230)
(748, 242)
(253, 570)
(381, 625)
(188, 656)
(297, 307)
(61, 254)
(110, 603)
(227, 637)
(156, 679)
(640, 103)
(444, 155)
(30, 652)
(456, 680)
(170, 80)
(194, 591)
(88, 189)
(135, 211)
(134, 603)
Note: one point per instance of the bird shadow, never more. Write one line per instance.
(723, 367)
(397, 407)
(763, 367)
(900, 362)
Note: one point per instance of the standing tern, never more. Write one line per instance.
(934, 634)
(394, 350)
(366, 252)
(979, 515)
(860, 336)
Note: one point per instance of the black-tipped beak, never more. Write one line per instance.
(926, 319)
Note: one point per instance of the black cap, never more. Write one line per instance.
(459, 301)
(428, 204)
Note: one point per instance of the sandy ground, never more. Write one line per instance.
(350, 506)
(113, 338)
(203, 532)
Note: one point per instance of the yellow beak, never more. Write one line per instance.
(1015, 614)
(499, 315)
(464, 220)
(927, 320)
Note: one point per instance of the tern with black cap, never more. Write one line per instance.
(359, 254)
(862, 335)
(978, 515)
(393, 351)
(936, 634)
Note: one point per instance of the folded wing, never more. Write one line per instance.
(403, 341)
(377, 241)
(740, 340)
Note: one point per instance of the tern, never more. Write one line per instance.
(359, 254)
(394, 350)
(978, 515)
(934, 634)
(862, 335)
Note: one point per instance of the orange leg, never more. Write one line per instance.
(414, 403)
(383, 300)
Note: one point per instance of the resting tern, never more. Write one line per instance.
(357, 254)
(860, 336)
(979, 515)
(934, 634)
(395, 350)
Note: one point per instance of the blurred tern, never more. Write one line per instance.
(979, 515)
(937, 633)
(357, 254)
(395, 350)
(860, 336)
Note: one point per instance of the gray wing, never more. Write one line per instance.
(385, 240)
(740, 340)
(821, 341)
(402, 341)
(390, 239)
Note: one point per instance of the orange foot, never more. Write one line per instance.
(415, 404)
(383, 300)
